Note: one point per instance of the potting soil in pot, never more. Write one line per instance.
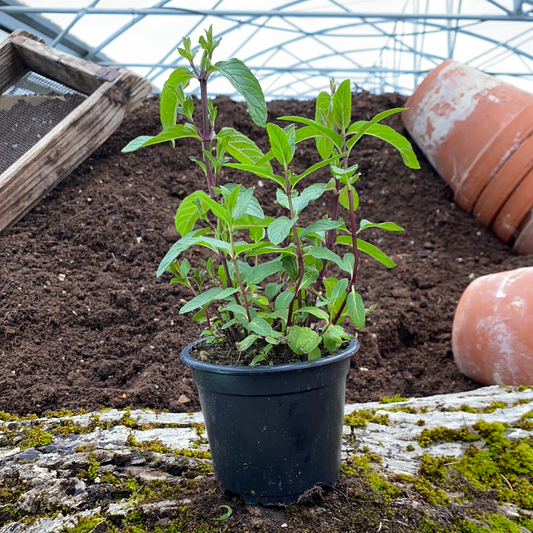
(85, 323)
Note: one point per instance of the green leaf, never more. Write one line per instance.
(342, 105)
(387, 134)
(280, 144)
(260, 326)
(246, 84)
(205, 298)
(326, 132)
(310, 276)
(319, 313)
(333, 337)
(258, 171)
(361, 130)
(178, 247)
(324, 116)
(376, 253)
(246, 342)
(320, 225)
(258, 273)
(217, 209)
(388, 226)
(339, 289)
(302, 339)
(283, 300)
(187, 214)
(215, 244)
(327, 255)
(272, 289)
(256, 233)
(244, 199)
(344, 199)
(229, 511)
(296, 178)
(173, 132)
(279, 229)
(260, 357)
(356, 309)
(243, 149)
(169, 99)
(314, 354)
(309, 194)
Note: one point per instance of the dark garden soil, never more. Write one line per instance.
(85, 323)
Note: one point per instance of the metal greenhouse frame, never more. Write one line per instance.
(308, 41)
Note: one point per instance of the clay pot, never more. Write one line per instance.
(515, 210)
(504, 183)
(524, 242)
(492, 330)
(468, 124)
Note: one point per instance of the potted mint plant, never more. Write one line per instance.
(271, 364)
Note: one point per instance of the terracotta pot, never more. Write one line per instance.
(468, 124)
(492, 330)
(515, 210)
(504, 182)
(524, 242)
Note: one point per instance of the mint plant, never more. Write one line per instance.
(269, 282)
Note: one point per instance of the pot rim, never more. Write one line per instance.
(247, 370)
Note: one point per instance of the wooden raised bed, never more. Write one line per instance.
(100, 97)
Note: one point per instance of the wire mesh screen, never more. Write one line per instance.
(29, 108)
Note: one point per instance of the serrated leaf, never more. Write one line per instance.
(325, 131)
(280, 145)
(342, 105)
(360, 131)
(387, 134)
(243, 201)
(187, 214)
(283, 300)
(310, 276)
(376, 253)
(243, 149)
(260, 326)
(257, 274)
(327, 255)
(387, 226)
(177, 131)
(309, 194)
(279, 229)
(314, 354)
(246, 342)
(178, 247)
(320, 225)
(205, 298)
(333, 337)
(356, 309)
(258, 171)
(302, 339)
(272, 289)
(339, 289)
(246, 84)
(318, 313)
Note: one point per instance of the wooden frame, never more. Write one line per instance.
(112, 94)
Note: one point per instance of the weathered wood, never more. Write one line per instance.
(11, 65)
(71, 71)
(67, 145)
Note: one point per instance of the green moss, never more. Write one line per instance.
(85, 448)
(410, 448)
(493, 406)
(523, 388)
(433, 467)
(364, 417)
(35, 436)
(421, 422)
(84, 525)
(395, 398)
(429, 436)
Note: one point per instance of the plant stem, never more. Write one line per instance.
(301, 264)
(207, 135)
(238, 274)
(355, 253)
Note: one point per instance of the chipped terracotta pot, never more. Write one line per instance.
(468, 124)
(524, 242)
(492, 330)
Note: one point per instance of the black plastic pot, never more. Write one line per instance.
(274, 431)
